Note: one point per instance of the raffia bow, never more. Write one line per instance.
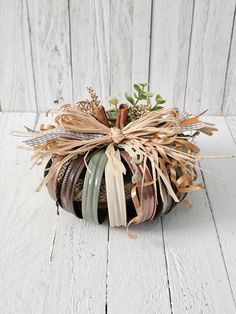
(157, 136)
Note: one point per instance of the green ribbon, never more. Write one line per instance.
(91, 187)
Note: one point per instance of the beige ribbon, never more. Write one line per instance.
(115, 189)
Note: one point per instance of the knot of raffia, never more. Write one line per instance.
(116, 135)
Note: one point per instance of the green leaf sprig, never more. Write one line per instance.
(141, 93)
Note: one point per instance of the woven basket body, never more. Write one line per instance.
(163, 206)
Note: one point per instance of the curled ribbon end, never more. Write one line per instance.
(186, 204)
(132, 235)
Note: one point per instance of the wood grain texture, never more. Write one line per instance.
(170, 41)
(110, 45)
(121, 46)
(142, 13)
(130, 23)
(27, 224)
(197, 276)
(50, 38)
(77, 280)
(89, 20)
(222, 197)
(137, 278)
(229, 100)
(231, 123)
(211, 34)
(52, 264)
(16, 75)
(78, 268)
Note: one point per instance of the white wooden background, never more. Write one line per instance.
(182, 263)
(53, 49)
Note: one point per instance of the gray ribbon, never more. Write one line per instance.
(190, 127)
(56, 133)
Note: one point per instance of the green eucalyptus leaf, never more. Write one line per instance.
(137, 88)
(129, 98)
(148, 94)
(159, 100)
(142, 96)
(156, 107)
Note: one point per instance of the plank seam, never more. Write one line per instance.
(218, 237)
(53, 244)
(108, 235)
(109, 47)
(166, 264)
(50, 262)
(71, 56)
(227, 64)
(230, 131)
(31, 55)
(150, 44)
(189, 53)
(36, 120)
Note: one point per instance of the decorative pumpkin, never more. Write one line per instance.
(132, 163)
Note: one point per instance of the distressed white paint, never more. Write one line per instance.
(141, 40)
(78, 268)
(77, 280)
(137, 277)
(222, 191)
(53, 264)
(170, 41)
(231, 122)
(50, 39)
(121, 46)
(89, 47)
(55, 49)
(229, 101)
(17, 92)
(210, 42)
(27, 224)
(197, 276)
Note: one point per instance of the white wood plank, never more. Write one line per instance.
(231, 123)
(121, 46)
(78, 270)
(49, 25)
(229, 101)
(197, 276)
(221, 192)
(171, 32)
(212, 25)
(16, 76)
(130, 23)
(137, 278)
(142, 13)
(27, 224)
(89, 42)
(77, 279)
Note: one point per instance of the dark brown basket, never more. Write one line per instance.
(102, 202)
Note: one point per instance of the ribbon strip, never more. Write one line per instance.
(91, 187)
(191, 127)
(115, 188)
(56, 133)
